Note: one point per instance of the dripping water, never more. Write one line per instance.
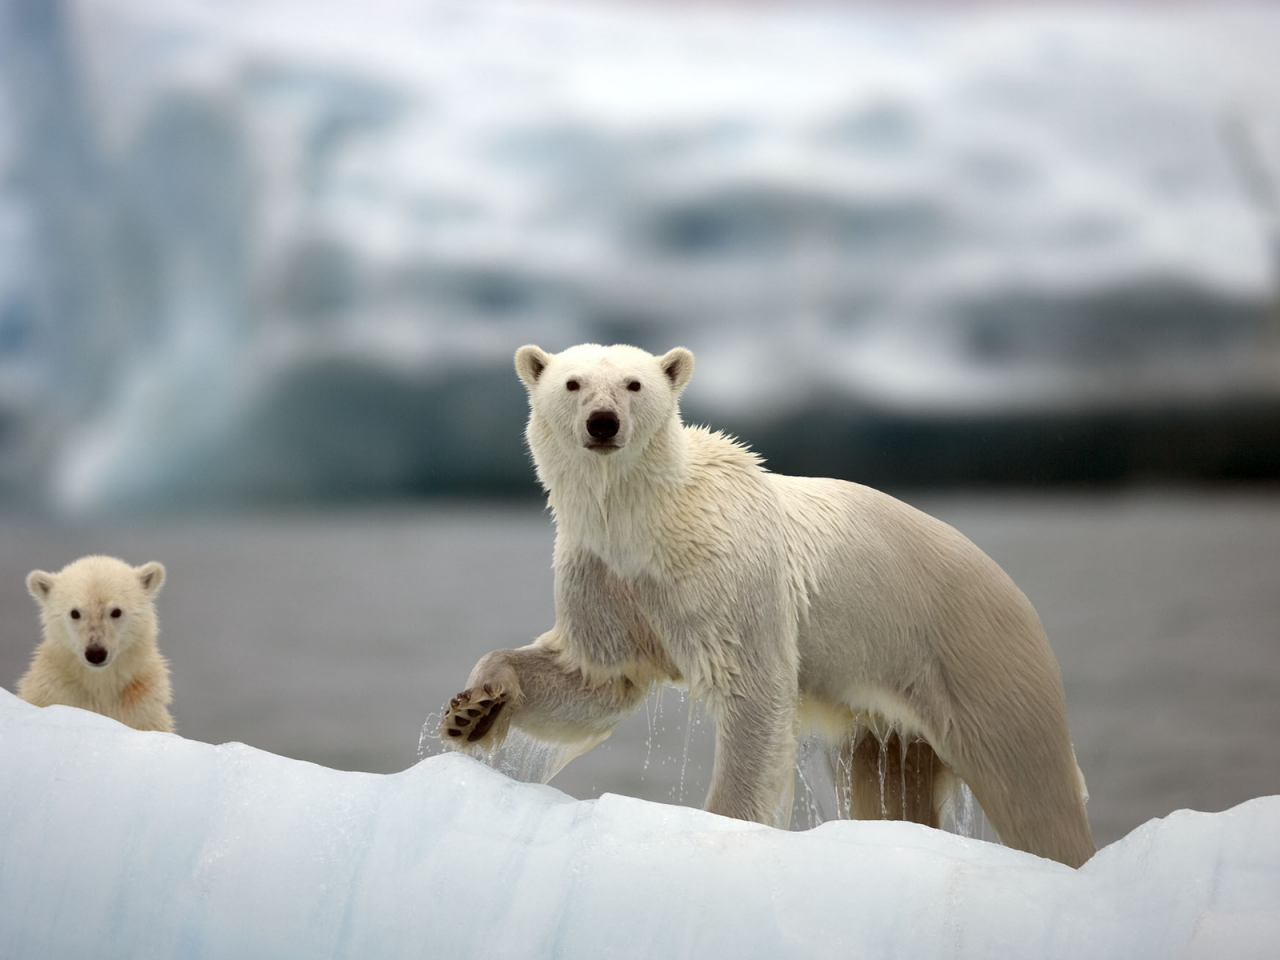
(823, 771)
(652, 713)
(882, 765)
(528, 759)
(688, 736)
(520, 756)
(964, 816)
(822, 767)
(814, 765)
(428, 733)
(961, 812)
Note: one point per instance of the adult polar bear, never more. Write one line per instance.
(782, 602)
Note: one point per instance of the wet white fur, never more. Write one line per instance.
(132, 685)
(780, 601)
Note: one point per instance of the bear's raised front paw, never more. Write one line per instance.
(472, 712)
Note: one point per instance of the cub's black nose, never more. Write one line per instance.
(95, 653)
(602, 425)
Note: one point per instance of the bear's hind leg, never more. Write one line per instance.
(891, 777)
(1036, 805)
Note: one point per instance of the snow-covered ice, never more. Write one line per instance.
(115, 843)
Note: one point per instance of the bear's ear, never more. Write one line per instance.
(151, 576)
(40, 585)
(530, 362)
(677, 364)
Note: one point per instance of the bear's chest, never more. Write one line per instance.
(626, 547)
(612, 615)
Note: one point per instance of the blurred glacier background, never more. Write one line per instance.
(263, 266)
(283, 251)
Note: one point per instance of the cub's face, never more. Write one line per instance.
(97, 606)
(598, 401)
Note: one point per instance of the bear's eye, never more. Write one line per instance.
(75, 614)
(116, 613)
(634, 386)
(572, 385)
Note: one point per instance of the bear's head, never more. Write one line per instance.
(97, 607)
(592, 401)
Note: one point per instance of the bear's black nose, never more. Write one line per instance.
(602, 425)
(95, 653)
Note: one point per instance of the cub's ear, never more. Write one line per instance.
(677, 364)
(40, 585)
(530, 362)
(151, 576)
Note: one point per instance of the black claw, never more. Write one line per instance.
(454, 733)
(462, 721)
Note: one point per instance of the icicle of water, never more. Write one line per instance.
(428, 732)
(827, 783)
(842, 778)
(648, 716)
(902, 773)
(528, 759)
(688, 736)
(520, 757)
(809, 770)
(882, 762)
(807, 804)
(962, 808)
(824, 784)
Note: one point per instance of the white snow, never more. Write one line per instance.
(115, 843)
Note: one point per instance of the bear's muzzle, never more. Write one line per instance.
(602, 427)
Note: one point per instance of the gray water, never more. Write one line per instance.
(334, 636)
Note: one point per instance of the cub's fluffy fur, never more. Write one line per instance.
(99, 649)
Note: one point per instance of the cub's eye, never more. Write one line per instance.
(115, 613)
(75, 614)
(634, 386)
(572, 385)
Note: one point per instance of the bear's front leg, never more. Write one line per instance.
(533, 688)
(471, 716)
(753, 777)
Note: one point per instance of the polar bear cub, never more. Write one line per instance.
(784, 603)
(99, 649)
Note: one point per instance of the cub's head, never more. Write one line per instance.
(594, 401)
(97, 607)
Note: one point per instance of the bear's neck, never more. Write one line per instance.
(607, 503)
